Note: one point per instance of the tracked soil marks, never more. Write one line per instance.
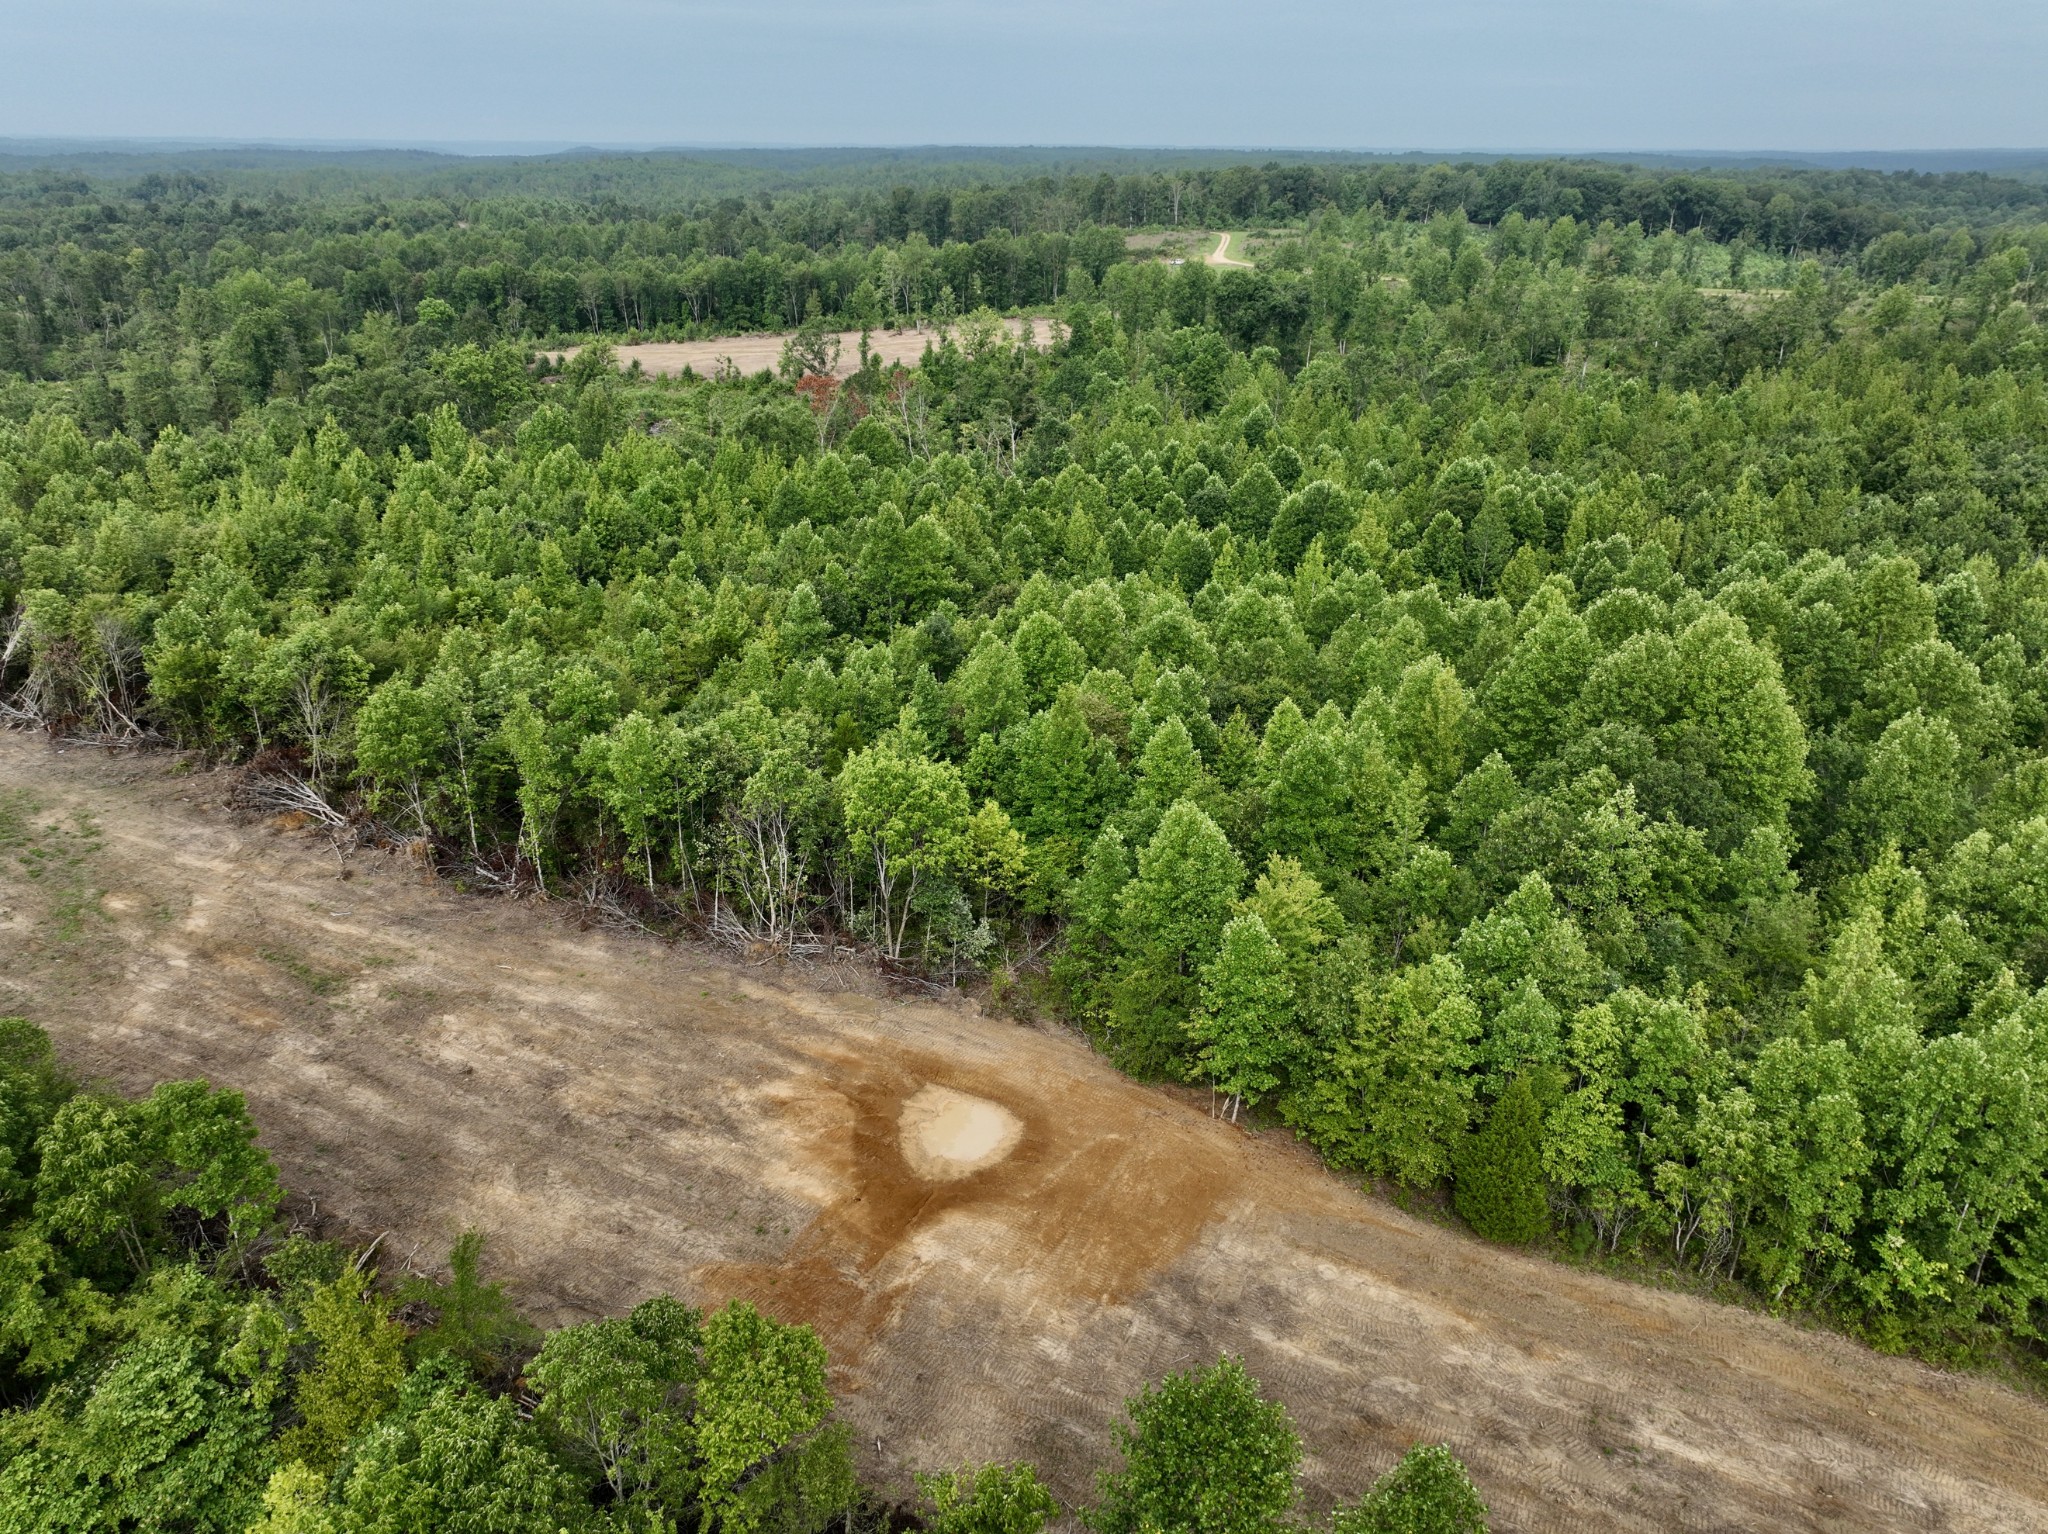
(1055, 1222)
(625, 1118)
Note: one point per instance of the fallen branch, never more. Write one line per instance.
(283, 792)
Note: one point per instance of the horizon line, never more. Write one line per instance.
(493, 148)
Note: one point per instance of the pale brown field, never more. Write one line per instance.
(756, 353)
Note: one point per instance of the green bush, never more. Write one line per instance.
(1427, 1493)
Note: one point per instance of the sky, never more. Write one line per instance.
(1356, 74)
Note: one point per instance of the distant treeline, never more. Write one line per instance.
(179, 273)
(969, 193)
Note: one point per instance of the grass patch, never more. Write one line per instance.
(319, 981)
(16, 808)
(53, 856)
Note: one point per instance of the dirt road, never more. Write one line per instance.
(624, 1118)
(754, 353)
(1221, 256)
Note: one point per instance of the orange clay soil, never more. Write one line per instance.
(625, 1117)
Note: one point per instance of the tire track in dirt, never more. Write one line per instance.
(625, 1118)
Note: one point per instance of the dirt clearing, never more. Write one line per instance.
(999, 1237)
(758, 353)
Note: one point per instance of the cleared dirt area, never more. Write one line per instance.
(1209, 246)
(999, 1236)
(756, 353)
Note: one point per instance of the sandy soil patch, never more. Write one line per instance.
(625, 1118)
(756, 353)
(948, 1135)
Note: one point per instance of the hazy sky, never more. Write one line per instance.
(1636, 74)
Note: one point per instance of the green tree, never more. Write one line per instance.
(1317, 510)
(48, 1315)
(94, 1179)
(1428, 1492)
(1203, 1452)
(311, 682)
(358, 1364)
(401, 744)
(1086, 964)
(1395, 1096)
(155, 1439)
(1302, 919)
(1254, 500)
(109, 1169)
(637, 770)
(989, 689)
(489, 384)
(994, 857)
(295, 1502)
(989, 1499)
(1063, 778)
(1245, 1026)
(543, 768)
(1431, 715)
(1169, 769)
(1713, 705)
(905, 815)
(473, 1321)
(813, 350)
(207, 1157)
(1306, 802)
(1529, 695)
(1500, 1189)
(768, 1458)
(449, 1457)
(615, 1395)
(1813, 1166)
(1170, 921)
(1911, 794)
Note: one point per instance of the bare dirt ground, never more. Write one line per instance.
(755, 353)
(624, 1117)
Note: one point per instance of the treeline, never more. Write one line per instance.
(380, 327)
(173, 1359)
(174, 267)
(968, 194)
(1835, 212)
(1530, 726)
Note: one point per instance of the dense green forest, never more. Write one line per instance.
(177, 294)
(173, 1356)
(1546, 701)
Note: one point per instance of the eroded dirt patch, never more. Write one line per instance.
(625, 1118)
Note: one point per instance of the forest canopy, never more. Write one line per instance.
(1536, 684)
